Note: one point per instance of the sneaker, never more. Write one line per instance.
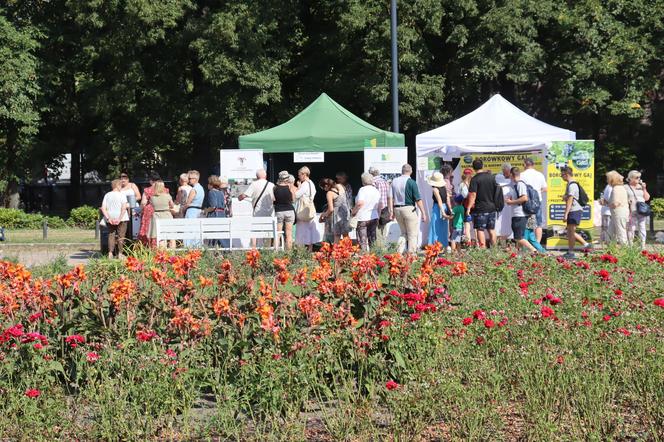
(569, 255)
(587, 246)
(448, 249)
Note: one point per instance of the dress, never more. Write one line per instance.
(339, 222)
(162, 210)
(146, 216)
(194, 211)
(306, 232)
(217, 200)
(439, 228)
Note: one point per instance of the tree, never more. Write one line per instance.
(19, 93)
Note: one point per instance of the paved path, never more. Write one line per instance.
(40, 254)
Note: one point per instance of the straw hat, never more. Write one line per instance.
(283, 175)
(436, 180)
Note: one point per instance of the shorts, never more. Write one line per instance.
(457, 234)
(538, 217)
(519, 226)
(574, 218)
(287, 216)
(484, 221)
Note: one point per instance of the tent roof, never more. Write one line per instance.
(496, 126)
(324, 126)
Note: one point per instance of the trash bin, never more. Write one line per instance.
(103, 240)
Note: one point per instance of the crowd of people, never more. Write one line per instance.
(624, 208)
(508, 205)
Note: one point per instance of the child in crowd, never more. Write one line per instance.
(459, 215)
(529, 235)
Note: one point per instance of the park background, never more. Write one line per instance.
(137, 85)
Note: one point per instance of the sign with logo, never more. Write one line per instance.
(494, 161)
(387, 161)
(308, 157)
(580, 156)
(240, 163)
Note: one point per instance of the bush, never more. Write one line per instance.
(18, 219)
(84, 217)
(657, 205)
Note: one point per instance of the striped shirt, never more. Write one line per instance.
(385, 191)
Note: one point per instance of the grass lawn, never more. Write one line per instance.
(77, 236)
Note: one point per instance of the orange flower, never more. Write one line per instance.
(460, 268)
(133, 265)
(281, 265)
(300, 278)
(221, 306)
(205, 282)
(253, 258)
(121, 290)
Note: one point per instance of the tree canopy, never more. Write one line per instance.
(140, 85)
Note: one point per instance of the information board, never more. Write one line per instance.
(240, 163)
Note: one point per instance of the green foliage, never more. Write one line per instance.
(657, 205)
(18, 219)
(84, 217)
(141, 84)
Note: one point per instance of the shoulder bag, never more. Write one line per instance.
(306, 211)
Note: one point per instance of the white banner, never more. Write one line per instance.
(308, 157)
(240, 163)
(387, 161)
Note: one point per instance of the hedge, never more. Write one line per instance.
(84, 217)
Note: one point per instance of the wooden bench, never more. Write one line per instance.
(197, 232)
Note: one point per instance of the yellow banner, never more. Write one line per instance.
(580, 156)
(494, 162)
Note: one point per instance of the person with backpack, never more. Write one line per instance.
(518, 197)
(575, 199)
(485, 198)
(537, 180)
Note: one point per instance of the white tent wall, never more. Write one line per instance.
(497, 126)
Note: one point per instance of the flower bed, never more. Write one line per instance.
(333, 346)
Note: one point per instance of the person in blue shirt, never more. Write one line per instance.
(194, 203)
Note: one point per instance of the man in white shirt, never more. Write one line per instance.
(366, 211)
(537, 180)
(115, 209)
(261, 194)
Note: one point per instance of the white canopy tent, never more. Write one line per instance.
(495, 127)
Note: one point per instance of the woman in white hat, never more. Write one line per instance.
(439, 226)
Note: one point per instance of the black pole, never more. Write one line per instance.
(395, 70)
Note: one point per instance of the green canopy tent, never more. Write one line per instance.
(324, 126)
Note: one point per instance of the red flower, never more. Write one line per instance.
(479, 340)
(489, 323)
(92, 357)
(384, 323)
(624, 331)
(560, 359)
(415, 317)
(32, 393)
(607, 318)
(74, 340)
(479, 315)
(171, 354)
(391, 385)
(609, 258)
(547, 311)
(467, 321)
(145, 336)
(659, 302)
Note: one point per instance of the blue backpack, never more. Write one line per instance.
(533, 205)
